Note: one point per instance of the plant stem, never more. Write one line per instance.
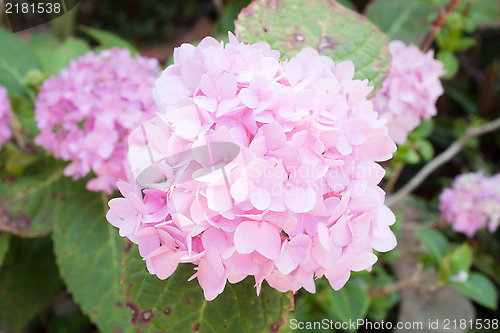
(394, 178)
(441, 159)
(412, 282)
(15, 126)
(438, 24)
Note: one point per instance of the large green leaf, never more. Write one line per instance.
(409, 21)
(28, 280)
(332, 29)
(349, 303)
(434, 242)
(176, 305)
(404, 20)
(107, 39)
(42, 41)
(479, 289)
(55, 59)
(29, 204)
(88, 252)
(4, 246)
(461, 259)
(16, 58)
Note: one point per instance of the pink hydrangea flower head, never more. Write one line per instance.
(472, 203)
(410, 91)
(86, 113)
(257, 167)
(5, 132)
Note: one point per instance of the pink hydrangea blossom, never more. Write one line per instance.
(472, 203)
(86, 113)
(410, 91)
(297, 200)
(5, 132)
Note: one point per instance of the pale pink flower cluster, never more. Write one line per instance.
(5, 132)
(288, 192)
(410, 91)
(472, 203)
(86, 113)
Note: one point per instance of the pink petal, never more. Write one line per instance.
(269, 241)
(260, 199)
(249, 98)
(274, 134)
(227, 86)
(299, 199)
(219, 199)
(246, 236)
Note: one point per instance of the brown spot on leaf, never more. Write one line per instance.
(247, 12)
(135, 311)
(299, 38)
(272, 4)
(167, 311)
(268, 300)
(275, 326)
(196, 327)
(9, 179)
(22, 222)
(326, 43)
(16, 225)
(265, 29)
(119, 304)
(64, 198)
(95, 312)
(146, 316)
(118, 330)
(188, 301)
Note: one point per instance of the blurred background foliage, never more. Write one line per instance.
(468, 45)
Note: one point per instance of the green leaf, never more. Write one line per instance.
(16, 58)
(176, 305)
(463, 44)
(28, 280)
(425, 128)
(411, 156)
(55, 59)
(349, 303)
(404, 20)
(42, 41)
(30, 203)
(487, 265)
(327, 26)
(450, 63)
(348, 4)
(16, 159)
(462, 97)
(4, 246)
(435, 243)
(380, 306)
(88, 252)
(461, 259)
(485, 13)
(107, 39)
(479, 289)
(425, 149)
